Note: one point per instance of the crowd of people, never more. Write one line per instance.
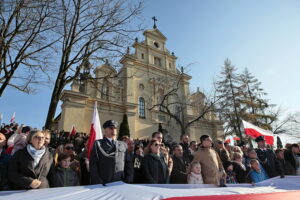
(33, 159)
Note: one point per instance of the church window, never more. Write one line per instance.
(142, 107)
(156, 44)
(157, 61)
(170, 65)
(142, 56)
(141, 86)
(104, 92)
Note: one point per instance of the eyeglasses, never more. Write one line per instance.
(156, 144)
(69, 148)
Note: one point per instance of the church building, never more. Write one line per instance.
(148, 88)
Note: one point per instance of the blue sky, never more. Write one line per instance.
(263, 36)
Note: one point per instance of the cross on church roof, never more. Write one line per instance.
(154, 20)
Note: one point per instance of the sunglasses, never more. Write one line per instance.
(70, 148)
(156, 144)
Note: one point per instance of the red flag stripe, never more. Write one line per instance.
(289, 195)
(254, 133)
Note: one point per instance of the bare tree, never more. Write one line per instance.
(24, 43)
(90, 30)
(177, 105)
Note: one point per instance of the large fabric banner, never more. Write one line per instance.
(287, 188)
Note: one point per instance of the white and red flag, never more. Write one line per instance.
(255, 132)
(73, 131)
(13, 117)
(95, 132)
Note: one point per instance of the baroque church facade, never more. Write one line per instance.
(138, 89)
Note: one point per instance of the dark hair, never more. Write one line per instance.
(277, 151)
(252, 161)
(203, 137)
(152, 141)
(249, 150)
(294, 145)
(176, 146)
(63, 156)
(192, 142)
(154, 133)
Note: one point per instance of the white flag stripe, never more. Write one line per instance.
(260, 130)
(97, 124)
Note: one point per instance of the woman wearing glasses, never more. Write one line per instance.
(154, 166)
(30, 166)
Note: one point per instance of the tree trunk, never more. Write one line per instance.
(59, 85)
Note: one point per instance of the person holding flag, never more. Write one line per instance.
(107, 159)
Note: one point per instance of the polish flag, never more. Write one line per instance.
(95, 132)
(13, 117)
(255, 131)
(73, 131)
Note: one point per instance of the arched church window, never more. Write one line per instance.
(142, 108)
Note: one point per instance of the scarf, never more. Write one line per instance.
(35, 154)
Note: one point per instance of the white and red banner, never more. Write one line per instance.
(73, 131)
(13, 117)
(95, 131)
(276, 188)
(255, 132)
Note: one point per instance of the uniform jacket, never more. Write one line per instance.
(21, 172)
(108, 162)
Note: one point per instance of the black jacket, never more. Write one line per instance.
(267, 159)
(64, 177)
(155, 169)
(280, 167)
(240, 171)
(290, 163)
(137, 167)
(21, 172)
(108, 162)
(178, 174)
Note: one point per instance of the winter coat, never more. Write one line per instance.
(240, 171)
(4, 161)
(21, 172)
(155, 169)
(267, 158)
(194, 179)
(291, 163)
(63, 177)
(280, 167)
(108, 161)
(137, 167)
(178, 174)
(256, 177)
(211, 165)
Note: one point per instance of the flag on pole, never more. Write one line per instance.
(73, 131)
(95, 131)
(1, 118)
(255, 132)
(13, 117)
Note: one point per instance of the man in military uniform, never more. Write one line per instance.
(108, 157)
(266, 157)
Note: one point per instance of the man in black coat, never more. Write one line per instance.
(108, 157)
(178, 174)
(266, 157)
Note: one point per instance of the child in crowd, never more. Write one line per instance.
(64, 176)
(256, 174)
(231, 176)
(195, 177)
